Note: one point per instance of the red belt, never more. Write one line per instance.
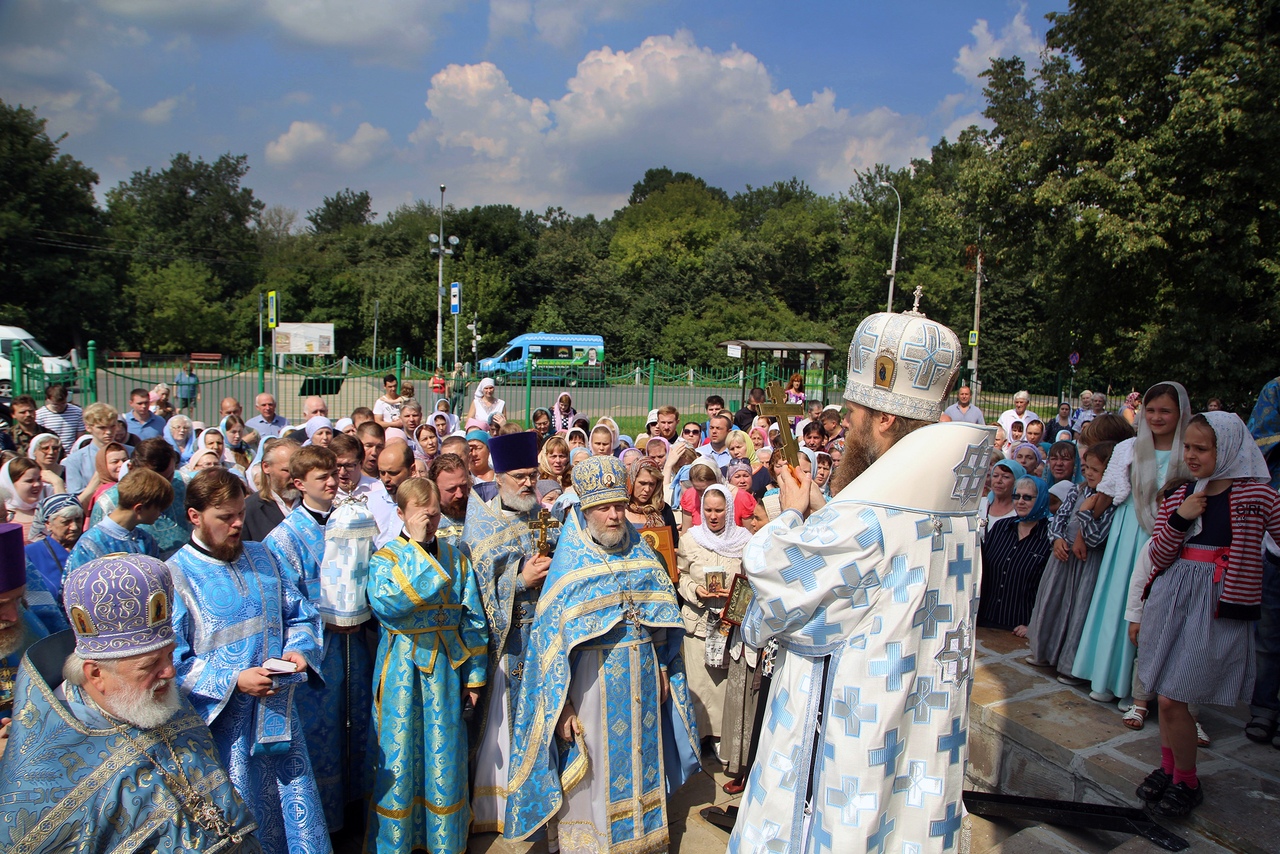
(1217, 557)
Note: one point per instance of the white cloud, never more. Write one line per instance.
(391, 31)
(1015, 39)
(161, 112)
(311, 145)
(668, 101)
(559, 22)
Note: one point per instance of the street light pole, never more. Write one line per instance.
(893, 265)
(440, 285)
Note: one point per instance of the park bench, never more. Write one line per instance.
(121, 358)
(206, 358)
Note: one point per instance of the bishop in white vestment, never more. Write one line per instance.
(872, 601)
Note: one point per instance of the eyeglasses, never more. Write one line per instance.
(693, 432)
(1024, 496)
(526, 477)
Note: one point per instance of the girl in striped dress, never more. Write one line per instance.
(1204, 593)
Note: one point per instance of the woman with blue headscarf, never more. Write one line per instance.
(1014, 554)
(179, 433)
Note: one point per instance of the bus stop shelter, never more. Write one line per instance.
(766, 360)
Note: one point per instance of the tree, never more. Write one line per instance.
(344, 209)
(194, 211)
(52, 248)
(1134, 183)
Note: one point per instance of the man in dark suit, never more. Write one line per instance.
(267, 507)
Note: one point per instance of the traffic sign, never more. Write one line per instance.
(973, 338)
(1074, 358)
(455, 298)
(272, 321)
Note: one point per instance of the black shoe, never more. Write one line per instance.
(1180, 799)
(1153, 788)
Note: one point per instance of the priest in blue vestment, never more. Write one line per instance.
(104, 754)
(510, 568)
(234, 611)
(605, 728)
(19, 626)
(337, 704)
(434, 650)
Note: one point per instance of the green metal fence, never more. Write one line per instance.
(626, 392)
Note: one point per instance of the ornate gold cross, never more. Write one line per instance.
(783, 411)
(541, 527)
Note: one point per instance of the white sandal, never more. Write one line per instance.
(1202, 737)
(1135, 718)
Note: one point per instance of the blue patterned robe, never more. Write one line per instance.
(33, 629)
(614, 781)
(171, 531)
(496, 545)
(228, 617)
(434, 644)
(106, 538)
(71, 783)
(297, 544)
(872, 601)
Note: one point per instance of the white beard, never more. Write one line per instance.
(608, 539)
(10, 638)
(140, 707)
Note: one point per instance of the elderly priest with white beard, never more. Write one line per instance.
(104, 753)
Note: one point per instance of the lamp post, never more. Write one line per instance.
(441, 248)
(893, 265)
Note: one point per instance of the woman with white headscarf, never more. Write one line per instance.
(715, 546)
(46, 450)
(485, 403)
(1134, 479)
(22, 491)
(319, 431)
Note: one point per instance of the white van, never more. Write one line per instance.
(56, 368)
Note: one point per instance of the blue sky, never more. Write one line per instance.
(528, 102)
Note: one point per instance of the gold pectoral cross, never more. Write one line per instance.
(541, 526)
(783, 411)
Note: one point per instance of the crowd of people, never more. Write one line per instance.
(1129, 551)
(434, 623)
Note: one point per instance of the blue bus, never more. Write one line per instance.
(551, 357)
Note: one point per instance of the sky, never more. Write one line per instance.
(534, 103)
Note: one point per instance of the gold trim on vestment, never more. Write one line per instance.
(421, 802)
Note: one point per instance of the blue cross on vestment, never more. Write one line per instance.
(802, 568)
(872, 535)
(893, 666)
(959, 567)
(847, 707)
(888, 754)
(821, 838)
(878, 840)
(948, 827)
(917, 784)
(818, 629)
(899, 578)
(819, 528)
(755, 791)
(778, 713)
(782, 617)
(864, 345)
(788, 765)
(850, 802)
(765, 839)
(954, 741)
(929, 614)
(924, 700)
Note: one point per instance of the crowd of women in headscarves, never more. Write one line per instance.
(1067, 559)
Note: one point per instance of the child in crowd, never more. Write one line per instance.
(1203, 596)
(1066, 588)
(142, 496)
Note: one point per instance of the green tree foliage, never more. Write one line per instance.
(183, 312)
(343, 209)
(52, 249)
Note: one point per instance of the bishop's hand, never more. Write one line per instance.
(793, 490)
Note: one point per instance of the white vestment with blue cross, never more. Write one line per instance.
(872, 600)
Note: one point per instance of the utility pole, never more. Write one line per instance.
(977, 313)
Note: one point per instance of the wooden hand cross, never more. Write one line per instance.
(542, 525)
(783, 411)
